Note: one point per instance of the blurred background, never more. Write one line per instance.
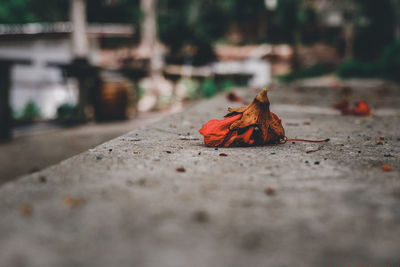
(76, 73)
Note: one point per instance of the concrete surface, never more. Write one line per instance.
(41, 145)
(124, 203)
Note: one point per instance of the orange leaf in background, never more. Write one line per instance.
(386, 168)
(248, 125)
(233, 97)
(343, 106)
(361, 108)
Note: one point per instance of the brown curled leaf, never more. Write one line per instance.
(248, 125)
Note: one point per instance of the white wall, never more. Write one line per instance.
(37, 82)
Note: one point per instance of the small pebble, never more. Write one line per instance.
(316, 163)
(42, 179)
(180, 169)
(72, 202)
(270, 191)
(223, 155)
(25, 209)
(142, 182)
(201, 216)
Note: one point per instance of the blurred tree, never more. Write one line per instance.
(284, 22)
(375, 28)
(250, 17)
(195, 23)
(117, 11)
(25, 11)
(396, 8)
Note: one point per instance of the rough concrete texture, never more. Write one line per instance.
(124, 203)
(34, 149)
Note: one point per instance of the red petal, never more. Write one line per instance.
(215, 131)
(241, 139)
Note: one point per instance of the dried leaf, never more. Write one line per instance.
(72, 202)
(233, 97)
(270, 191)
(386, 168)
(361, 108)
(343, 106)
(180, 169)
(248, 125)
(25, 209)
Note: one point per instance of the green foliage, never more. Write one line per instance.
(25, 11)
(67, 112)
(377, 30)
(284, 22)
(194, 23)
(354, 68)
(387, 66)
(122, 11)
(191, 87)
(390, 61)
(227, 84)
(313, 71)
(30, 112)
(209, 88)
(244, 11)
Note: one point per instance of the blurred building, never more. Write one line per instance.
(48, 46)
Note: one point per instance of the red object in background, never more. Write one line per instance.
(233, 97)
(386, 168)
(361, 108)
(343, 106)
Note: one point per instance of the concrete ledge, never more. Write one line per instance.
(124, 203)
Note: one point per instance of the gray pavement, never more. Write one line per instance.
(41, 145)
(124, 203)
